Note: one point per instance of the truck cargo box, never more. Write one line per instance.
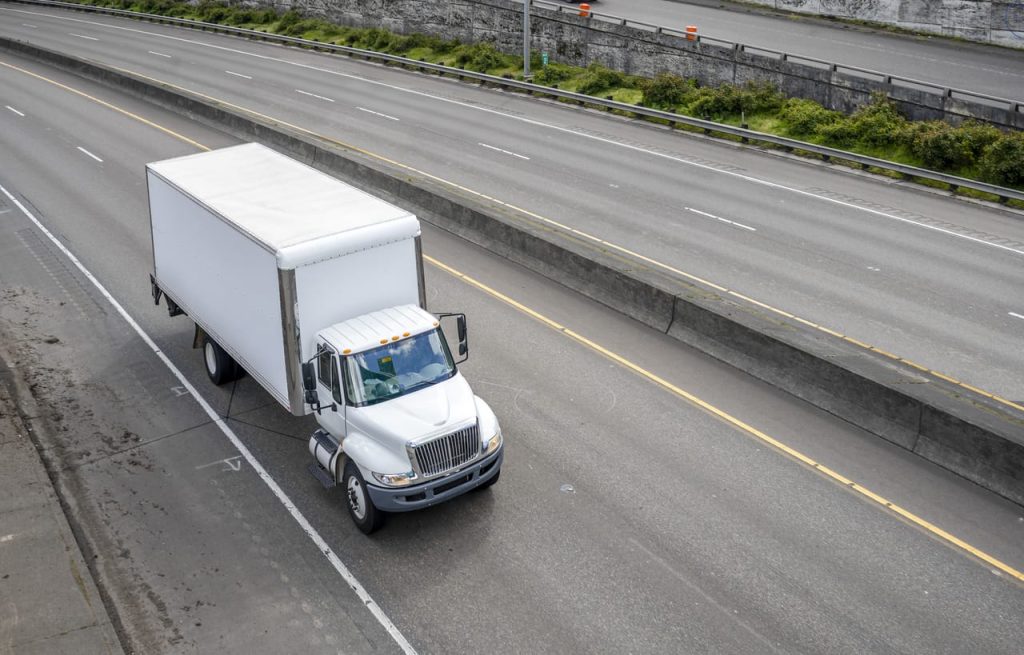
(249, 243)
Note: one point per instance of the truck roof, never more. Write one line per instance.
(380, 327)
(293, 210)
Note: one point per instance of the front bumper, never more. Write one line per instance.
(407, 499)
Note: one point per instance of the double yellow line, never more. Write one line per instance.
(588, 343)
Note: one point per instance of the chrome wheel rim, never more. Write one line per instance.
(211, 358)
(356, 498)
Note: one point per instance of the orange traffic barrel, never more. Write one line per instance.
(691, 32)
(585, 10)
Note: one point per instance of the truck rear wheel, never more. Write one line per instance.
(364, 514)
(219, 365)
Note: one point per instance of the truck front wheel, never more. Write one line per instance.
(366, 517)
(219, 365)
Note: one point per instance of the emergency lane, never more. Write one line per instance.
(910, 272)
(625, 519)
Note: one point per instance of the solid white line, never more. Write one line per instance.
(248, 77)
(15, 111)
(312, 95)
(310, 531)
(504, 151)
(377, 113)
(719, 218)
(557, 128)
(90, 154)
(1016, 315)
(160, 54)
(82, 36)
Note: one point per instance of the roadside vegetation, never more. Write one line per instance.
(972, 150)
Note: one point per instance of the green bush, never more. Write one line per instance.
(804, 117)
(554, 73)
(288, 20)
(666, 91)
(597, 78)
(480, 57)
(714, 102)
(1003, 160)
(877, 123)
(760, 98)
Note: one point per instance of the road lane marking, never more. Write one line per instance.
(220, 422)
(90, 154)
(35, 27)
(507, 152)
(567, 130)
(313, 95)
(731, 420)
(82, 36)
(719, 218)
(107, 105)
(160, 54)
(543, 219)
(248, 77)
(15, 111)
(228, 464)
(377, 113)
(1016, 315)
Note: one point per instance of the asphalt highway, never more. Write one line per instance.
(628, 519)
(930, 279)
(990, 70)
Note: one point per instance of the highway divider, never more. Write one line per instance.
(944, 421)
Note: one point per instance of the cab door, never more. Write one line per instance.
(328, 386)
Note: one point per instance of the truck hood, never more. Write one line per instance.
(433, 410)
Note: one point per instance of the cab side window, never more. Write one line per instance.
(325, 367)
(336, 382)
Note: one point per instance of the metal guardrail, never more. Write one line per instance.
(937, 89)
(745, 135)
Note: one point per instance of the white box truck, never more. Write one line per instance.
(315, 289)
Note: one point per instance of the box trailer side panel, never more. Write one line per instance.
(226, 282)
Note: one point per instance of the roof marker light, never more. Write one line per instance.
(405, 334)
(394, 338)
(346, 351)
(383, 341)
(436, 323)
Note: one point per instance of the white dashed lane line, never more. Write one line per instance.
(159, 54)
(1016, 315)
(507, 152)
(312, 95)
(724, 220)
(246, 77)
(82, 36)
(90, 154)
(35, 27)
(377, 113)
(15, 111)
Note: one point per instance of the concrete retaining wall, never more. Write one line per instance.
(580, 41)
(1000, 22)
(967, 433)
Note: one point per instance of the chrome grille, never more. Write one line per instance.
(446, 452)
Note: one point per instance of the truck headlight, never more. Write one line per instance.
(493, 444)
(395, 479)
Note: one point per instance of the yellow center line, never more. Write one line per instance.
(107, 105)
(665, 384)
(732, 420)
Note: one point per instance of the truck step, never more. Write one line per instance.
(322, 475)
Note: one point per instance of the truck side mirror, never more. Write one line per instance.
(461, 322)
(461, 331)
(309, 384)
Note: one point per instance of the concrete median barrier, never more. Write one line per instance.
(968, 433)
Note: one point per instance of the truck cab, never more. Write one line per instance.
(400, 427)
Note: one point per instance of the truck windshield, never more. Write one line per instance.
(397, 368)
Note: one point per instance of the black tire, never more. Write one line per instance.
(357, 498)
(219, 365)
(490, 483)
